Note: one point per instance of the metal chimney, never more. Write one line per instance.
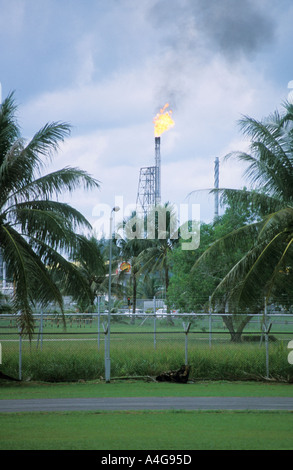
(158, 170)
(216, 211)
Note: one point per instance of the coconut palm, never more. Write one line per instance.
(91, 264)
(260, 272)
(38, 234)
(155, 258)
(130, 243)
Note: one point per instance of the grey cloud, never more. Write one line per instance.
(236, 27)
(233, 27)
(191, 32)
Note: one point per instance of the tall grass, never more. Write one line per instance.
(83, 360)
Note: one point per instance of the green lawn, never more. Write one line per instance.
(146, 430)
(78, 352)
(152, 430)
(131, 388)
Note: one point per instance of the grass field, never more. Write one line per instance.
(220, 369)
(146, 430)
(77, 352)
(149, 430)
(64, 360)
(135, 388)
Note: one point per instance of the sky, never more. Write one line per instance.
(108, 66)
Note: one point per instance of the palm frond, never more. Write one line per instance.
(30, 278)
(259, 203)
(256, 271)
(22, 162)
(49, 186)
(42, 218)
(229, 242)
(64, 274)
(9, 129)
(278, 267)
(270, 172)
(37, 232)
(276, 221)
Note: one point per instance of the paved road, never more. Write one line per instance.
(153, 403)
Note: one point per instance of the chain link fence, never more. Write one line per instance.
(144, 344)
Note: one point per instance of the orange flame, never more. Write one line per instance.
(163, 121)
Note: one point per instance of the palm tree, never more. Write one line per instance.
(155, 258)
(130, 245)
(130, 250)
(90, 261)
(150, 286)
(260, 272)
(38, 234)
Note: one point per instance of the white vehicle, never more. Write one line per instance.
(129, 312)
(161, 312)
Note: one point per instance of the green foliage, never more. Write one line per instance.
(37, 233)
(85, 362)
(5, 304)
(264, 269)
(193, 283)
(90, 263)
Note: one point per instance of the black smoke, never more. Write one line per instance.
(193, 32)
(235, 28)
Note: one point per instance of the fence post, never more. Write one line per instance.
(42, 324)
(155, 316)
(107, 355)
(186, 330)
(99, 316)
(20, 356)
(40, 334)
(267, 328)
(210, 322)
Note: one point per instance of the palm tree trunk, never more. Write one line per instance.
(166, 278)
(169, 318)
(134, 289)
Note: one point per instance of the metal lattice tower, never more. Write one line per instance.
(146, 190)
(149, 186)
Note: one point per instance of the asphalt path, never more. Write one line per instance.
(147, 403)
